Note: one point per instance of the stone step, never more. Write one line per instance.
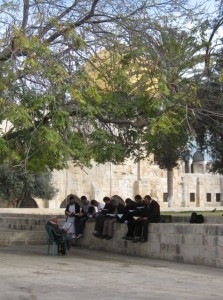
(9, 237)
(26, 223)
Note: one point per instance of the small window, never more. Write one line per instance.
(218, 197)
(192, 197)
(165, 195)
(208, 197)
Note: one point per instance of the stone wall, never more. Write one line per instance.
(143, 178)
(130, 179)
(200, 244)
(179, 241)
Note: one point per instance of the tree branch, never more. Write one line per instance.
(25, 13)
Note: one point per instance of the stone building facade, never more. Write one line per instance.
(193, 184)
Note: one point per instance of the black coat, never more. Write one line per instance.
(152, 212)
(59, 231)
(77, 208)
(129, 211)
(109, 208)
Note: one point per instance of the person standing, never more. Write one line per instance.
(150, 214)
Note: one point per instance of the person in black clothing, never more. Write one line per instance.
(133, 209)
(109, 208)
(108, 224)
(128, 211)
(150, 214)
(60, 233)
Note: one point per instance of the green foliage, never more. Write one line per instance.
(208, 123)
(107, 148)
(72, 90)
(15, 185)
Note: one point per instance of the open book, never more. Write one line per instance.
(120, 215)
(67, 225)
(110, 215)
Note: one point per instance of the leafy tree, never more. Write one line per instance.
(43, 45)
(56, 110)
(145, 100)
(16, 186)
(208, 123)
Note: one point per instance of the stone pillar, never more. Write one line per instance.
(204, 166)
(183, 192)
(200, 192)
(183, 167)
(198, 196)
(190, 162)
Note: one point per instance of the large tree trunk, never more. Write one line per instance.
(170, 187)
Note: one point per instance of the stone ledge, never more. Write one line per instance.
(189, 243)
(184, 242)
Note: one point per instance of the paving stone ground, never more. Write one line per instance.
(28, 273)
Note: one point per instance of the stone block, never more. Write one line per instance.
(220, 230)
(211, 229)
(193, 239)
(179, 228)
(220, 241)
(167, 228)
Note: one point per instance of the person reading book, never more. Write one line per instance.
(82, 217)
(72, 209)
(60, 233)
(66, 226)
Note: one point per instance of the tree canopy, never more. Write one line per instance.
(16, 186)
(56, 111)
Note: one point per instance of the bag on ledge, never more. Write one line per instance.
(195, 218)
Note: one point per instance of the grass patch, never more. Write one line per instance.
(210, 213)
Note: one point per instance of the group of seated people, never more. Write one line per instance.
(137, 214)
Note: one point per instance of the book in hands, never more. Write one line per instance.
(66, 225)
(111, 215)
(120, 215)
